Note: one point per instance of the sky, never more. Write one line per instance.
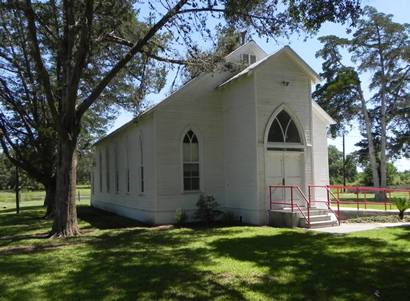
(306, 48)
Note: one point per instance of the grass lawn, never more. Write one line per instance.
(117, 259)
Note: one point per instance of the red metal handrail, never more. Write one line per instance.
(329, 196)
(328, 201)
(292, 203)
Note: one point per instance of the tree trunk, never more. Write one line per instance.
(401, 214)
(65, 217)
(372, 152)
(49, 200)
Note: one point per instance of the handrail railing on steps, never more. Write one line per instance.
(328, 201)
(292, 203)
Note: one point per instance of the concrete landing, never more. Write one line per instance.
(349, 228)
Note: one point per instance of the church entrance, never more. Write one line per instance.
(284, 159)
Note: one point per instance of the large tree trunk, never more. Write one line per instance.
(49, 200)
(383, 168)
(65, 217)
(372, 152)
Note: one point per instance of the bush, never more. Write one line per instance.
(207, 211)
(181, 217)
(402, 205)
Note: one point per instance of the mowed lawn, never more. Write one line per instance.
(117, 259)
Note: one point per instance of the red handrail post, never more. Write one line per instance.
(328, 198)
(291, 198)
(338, 212)
(385, 204)
(270, 197)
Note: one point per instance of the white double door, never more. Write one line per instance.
(284, 168)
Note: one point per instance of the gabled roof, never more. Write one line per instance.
(230, 57)
(287, 49)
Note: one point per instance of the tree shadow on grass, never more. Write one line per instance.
(23, 209)
(101, 219)
(16, 226)
(322, 267)
(404, 234)
(136, 264)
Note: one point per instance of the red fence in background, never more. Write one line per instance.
(364, 196)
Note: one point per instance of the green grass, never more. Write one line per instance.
(117, 259)
(369, 197)
(34, 198)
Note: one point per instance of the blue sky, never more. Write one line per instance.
(306, 48)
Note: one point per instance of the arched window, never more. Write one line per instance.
(190, 150)
(284, 130)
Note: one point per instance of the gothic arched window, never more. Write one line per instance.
(190, 155)
(283, 129)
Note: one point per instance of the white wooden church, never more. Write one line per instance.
(228, 134)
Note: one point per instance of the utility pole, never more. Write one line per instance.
(344, 162)
(17, 191)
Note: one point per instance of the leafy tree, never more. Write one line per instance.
(405, 177)
(336, 166)
(79, 49)
(392, 175)
(25, 118)
(379, 47)
(8, 176)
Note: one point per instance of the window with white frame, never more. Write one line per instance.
(127, 167)
(107, 169)
(92, 174)
(116, 171)
(100, 178)
(141, 165)
(190, 150)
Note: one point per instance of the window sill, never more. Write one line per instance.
(191, 192)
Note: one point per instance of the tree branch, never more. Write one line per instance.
(82, 108)
(110, 37)
(82, 51)
(44, 76)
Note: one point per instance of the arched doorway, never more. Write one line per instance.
(284, 160)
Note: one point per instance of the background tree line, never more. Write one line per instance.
(8, 174)
(362, 177)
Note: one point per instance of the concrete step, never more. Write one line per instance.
(319, 218)
(312, 211)
(323, 224)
